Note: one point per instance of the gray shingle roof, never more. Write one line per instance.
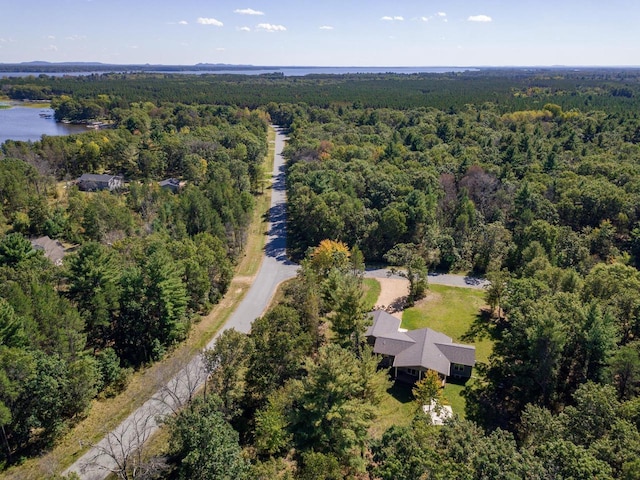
(95, 177)
(170, 182)
(459, 353)
(52, 249)
(424, 347)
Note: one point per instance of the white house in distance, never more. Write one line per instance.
(412, 352)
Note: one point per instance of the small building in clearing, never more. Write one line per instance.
(172, 184)
(53, 249)
(92, 182)
(412, 352)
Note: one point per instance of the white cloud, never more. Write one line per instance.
(244, 29)
(326, 27)
(480, 18)
(183, 22)
(74, 38)
(50, 48)
(271, 28)
(441, 14)
(210, 21)
(220, 49)
(387, 18)
(51, 37)
(424, 19)
(248, 11)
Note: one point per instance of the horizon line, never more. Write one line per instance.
(35, 63)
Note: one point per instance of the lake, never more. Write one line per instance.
(26, 124)
(253, 70)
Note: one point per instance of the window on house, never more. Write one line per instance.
(458, 368)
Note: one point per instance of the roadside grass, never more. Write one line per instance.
(105, 415)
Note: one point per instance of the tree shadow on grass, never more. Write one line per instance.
(483, 326)
(401, 392)
(462, 381)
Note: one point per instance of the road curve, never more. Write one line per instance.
(450, 279)
(118, 446)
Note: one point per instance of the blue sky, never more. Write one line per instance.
(323, 32)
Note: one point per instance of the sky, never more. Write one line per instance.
(323, 32)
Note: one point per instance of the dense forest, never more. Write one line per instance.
(142, 263)
(527, 177)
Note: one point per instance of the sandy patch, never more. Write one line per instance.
(393, 291)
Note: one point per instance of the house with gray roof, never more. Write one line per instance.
(412, 352)
(92, 182)
(172, 184)
(53, 249)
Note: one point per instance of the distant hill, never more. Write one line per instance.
(57, 67)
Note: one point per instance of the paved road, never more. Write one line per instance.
(437, 279)
(119, 445)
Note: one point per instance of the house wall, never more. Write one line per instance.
(465, 372)
(115, 183)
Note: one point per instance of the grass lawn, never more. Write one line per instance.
(371, 288)
(452, 311)
(396, 408)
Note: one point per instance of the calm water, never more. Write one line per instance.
(26, 124)
(286, 71)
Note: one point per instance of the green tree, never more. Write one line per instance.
(331, 412)
(624, 367)
(410, 265)
(428, 391)
(496, 290)
(280, 343)
(595, 411)
(226, 366)
(152, 308)
(205, 445)
(563, 459)
(12, 332)
(401, 455)
(350, 318)
(94, 286)
(14, 248)
(272, 428)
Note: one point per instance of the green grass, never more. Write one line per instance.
(371, 288)
(452, 395)
(396, 408)
(452, 311)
